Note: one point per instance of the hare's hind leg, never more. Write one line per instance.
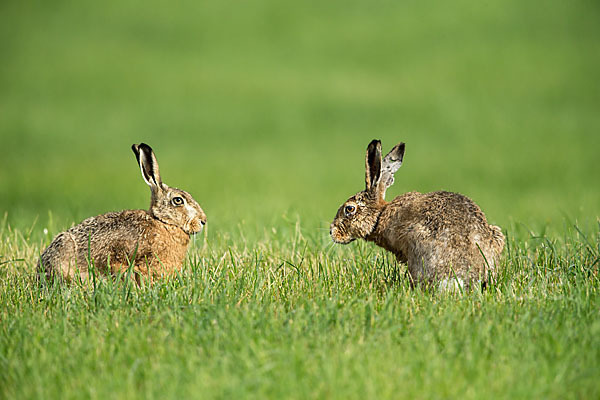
(60, 261)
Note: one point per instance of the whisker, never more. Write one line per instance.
(329, 248)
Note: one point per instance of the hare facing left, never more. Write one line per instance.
(152, 242)
(443, 237)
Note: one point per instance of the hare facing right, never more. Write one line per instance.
(146, 244)
(444, 238)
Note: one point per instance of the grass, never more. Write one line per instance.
(262, 110)
(300, 319)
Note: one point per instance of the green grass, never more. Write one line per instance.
(262, 110)
(293, 317)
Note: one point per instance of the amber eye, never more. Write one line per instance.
(350, 209)
(177, 201)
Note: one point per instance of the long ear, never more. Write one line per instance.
(373, 165)
(391, 163)
(148, 165)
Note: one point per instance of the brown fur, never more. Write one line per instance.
(154, 243)
(440, 235)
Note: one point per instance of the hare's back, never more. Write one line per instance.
(103, 230)
(441, 212)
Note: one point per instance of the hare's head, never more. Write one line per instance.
(169, 205)
(357, 217)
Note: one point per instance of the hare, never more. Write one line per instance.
(153, 243)
(444, 238)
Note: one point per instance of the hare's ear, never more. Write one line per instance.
(373, 165)
(148, 165)
(391, 163)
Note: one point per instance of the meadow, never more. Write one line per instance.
(263, 110)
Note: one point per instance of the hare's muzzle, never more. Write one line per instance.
(338, 237)
(196, 222)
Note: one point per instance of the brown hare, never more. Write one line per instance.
(153, 243)
(444, 238)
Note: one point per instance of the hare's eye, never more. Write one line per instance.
(350, 209)
(177, 201)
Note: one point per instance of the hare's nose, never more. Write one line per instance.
(202, 217)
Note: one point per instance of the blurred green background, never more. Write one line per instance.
(263, 109)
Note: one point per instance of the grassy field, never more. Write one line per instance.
(262, 110)
(292, 318)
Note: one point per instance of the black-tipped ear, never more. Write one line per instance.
(148, 165)
(373, 164)
(136, 151)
